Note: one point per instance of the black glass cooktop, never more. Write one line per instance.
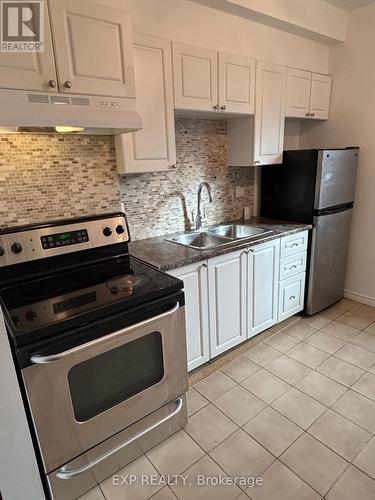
(43, 306)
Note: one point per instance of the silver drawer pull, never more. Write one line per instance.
(292, 267)
(293, 245)
(40, 360)
(64, 473)
(292, 297)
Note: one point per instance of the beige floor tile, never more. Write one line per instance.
(317, 321)
(339, 434)
(355, 320)
(215, 385)
(313, 462)
(353, 485)
(138, 490)
(241, 455)
(194, 490)
(273, 431)
(346, 304)
(366, 386)
(265, 386)
(299, 408)
(340, 370)
(365, 340)
(322, 388)
(356, 356)
(239, 405)
(357, 408)
(365, 460)
(364, 310)
(288, 369)
(262, 354)
(326, 342)
(195, 401)
(341, 331)
(300, 330)
(280, 483)
(168, 458)
(308, 354)
(281, 341)
(372, 369)
(94, 494)
(164, 494)
(371, 328)
(209, 427)
(240, 368)
(333, 312)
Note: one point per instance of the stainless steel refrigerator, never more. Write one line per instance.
(316, 187)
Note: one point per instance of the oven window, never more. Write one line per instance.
(114, 376)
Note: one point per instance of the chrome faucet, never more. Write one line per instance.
(200, 220)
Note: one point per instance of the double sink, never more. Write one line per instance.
(218, 236)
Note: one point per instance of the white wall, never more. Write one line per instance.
(188, 22)
(352, 122)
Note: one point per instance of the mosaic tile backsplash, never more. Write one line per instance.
(52, 177)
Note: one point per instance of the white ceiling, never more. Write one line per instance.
(349, 4)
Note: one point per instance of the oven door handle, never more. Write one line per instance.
(39, 360)
(65, 473)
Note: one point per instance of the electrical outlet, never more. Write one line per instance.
(239, 192)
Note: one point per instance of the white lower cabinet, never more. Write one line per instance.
(291, 296)
(194, 277)
(227, 301)
(263, 273)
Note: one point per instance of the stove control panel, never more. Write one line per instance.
(33, 243)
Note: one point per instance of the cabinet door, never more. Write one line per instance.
(153, 148)
(291, 296)
(236, 83)
(298, 91)
(227, 301)
(320, 96)
(195, 77)
(93, 48)
(263, 278)
(30, 70)
(194, 277)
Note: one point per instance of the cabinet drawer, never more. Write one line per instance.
(293, 244)
(291, 296)
(295, 264)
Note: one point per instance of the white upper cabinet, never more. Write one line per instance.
(269, 116)
(195, 77)
(236, 83)
(298, 93)
(30, 70)
(93, 48)
(320, 96)
(153, 148)
(308, 95)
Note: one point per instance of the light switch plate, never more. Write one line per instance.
(239, 192)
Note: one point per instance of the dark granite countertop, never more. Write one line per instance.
(166, 255)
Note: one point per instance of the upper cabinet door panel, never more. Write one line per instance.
(153, 148)
(320, 96)
(269, 113)
(30, 70)
(93, 48)
(298, 93)
(195, 77)
(236, 83)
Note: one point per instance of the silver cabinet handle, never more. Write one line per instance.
(64, 473)
(293, 245)
(68, 84)
(216, 107)
(307, 114)
(292, 297)
(223, 107)
(204, 265)
(41, 360)
(52, 84)
(257, 162)
(292, 267)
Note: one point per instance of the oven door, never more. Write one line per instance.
(81, 396)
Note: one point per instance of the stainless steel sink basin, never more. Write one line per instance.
(238, 231)
(201, 240)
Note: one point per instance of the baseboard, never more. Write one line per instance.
(359, 297)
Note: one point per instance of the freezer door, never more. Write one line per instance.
(329, 250)
(336, 174)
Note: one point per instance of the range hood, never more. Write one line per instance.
(51, 112)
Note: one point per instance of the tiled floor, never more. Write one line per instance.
(297, 410)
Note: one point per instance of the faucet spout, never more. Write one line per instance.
(199, 220)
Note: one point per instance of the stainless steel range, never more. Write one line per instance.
(99, 342)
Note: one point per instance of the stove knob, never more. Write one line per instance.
(17, 248)
(120, 229)
(2, 251)
(31, 315)
(107, 231)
